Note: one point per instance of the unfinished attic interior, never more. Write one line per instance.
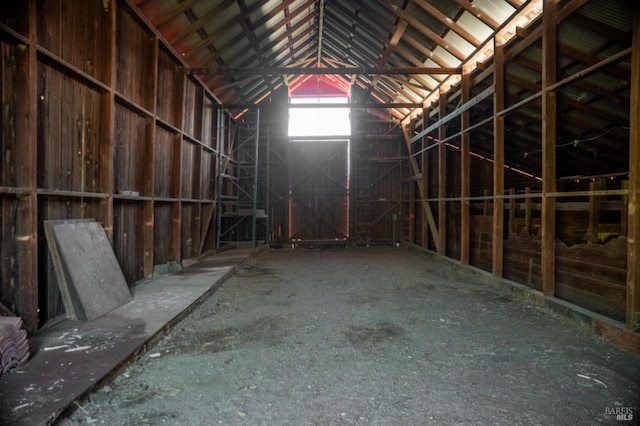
(498, 135)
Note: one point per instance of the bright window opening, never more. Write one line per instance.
(322, 121)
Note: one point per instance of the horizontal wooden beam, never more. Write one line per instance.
(323, 71)
(465, 107)
(371, 105)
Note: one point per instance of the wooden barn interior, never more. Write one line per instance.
(502, 135)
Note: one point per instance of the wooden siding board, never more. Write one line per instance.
(131, 140)
(128, 236)
(169, 88)
(135, 48)
(163, 230)
(165, 177)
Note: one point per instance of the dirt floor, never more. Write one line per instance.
(368, 336)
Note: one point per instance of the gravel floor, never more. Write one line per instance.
(368, 336)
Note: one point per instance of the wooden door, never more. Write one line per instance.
(319, 191)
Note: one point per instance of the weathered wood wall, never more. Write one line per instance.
(568, 235)
(99, 121)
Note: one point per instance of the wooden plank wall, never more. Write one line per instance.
(98, 121)
(560, 236)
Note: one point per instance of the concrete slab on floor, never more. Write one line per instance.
(71, 358)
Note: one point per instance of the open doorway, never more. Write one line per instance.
(319, 169)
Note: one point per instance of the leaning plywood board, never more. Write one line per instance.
(90, 278)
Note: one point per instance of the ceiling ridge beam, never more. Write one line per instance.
(326, 71)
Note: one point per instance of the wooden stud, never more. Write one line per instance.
(549, 57)
(26, 245)
(424, 178)
(149, 211)
(513, 206)
(442, 178)
(633, 209)
(498, 163)
(415, 170)
(528, 207)
(624, 210)
(412, 196)
(485, 202)
(594, 210)
(107, 123)
(465, 171)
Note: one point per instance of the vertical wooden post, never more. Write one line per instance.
(412, 191)
(149, 208)
(528, 205)
(624, 210)
(594, 211)
(107, 124)
(485, 202)
(176, 166)
(633, 216)
(442, 178)
(498, 162)
(513, 206)
(415, 169)
(549, 56)
(26, 232)
(465, 172)
(424, 167)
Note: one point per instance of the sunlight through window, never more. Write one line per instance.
(322, 121)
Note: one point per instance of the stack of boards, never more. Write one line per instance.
(14, 347)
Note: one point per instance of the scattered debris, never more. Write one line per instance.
(78, 348)
(20, 407)
(591, 378)
(54, 348)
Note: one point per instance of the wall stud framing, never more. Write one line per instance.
(498, 162)
(633, 209)
(465, 172)
(549, 57)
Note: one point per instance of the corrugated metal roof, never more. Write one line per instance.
(385, 34)
(258, 33)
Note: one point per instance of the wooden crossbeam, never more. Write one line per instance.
(323, 71)
(415, 169)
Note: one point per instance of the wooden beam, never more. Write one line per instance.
(478, 13)
(412, 195)
(450, 23)
(442, 178)
(415, 169)
(149, 211)
(107, 124)
(549, 75)
(498, 161)
(424, 177)
(397, 35)
(633, 215)
(528, 207)
(424, 29)
(26, 239)
(323, 71)
(465, 174)
(454, 114)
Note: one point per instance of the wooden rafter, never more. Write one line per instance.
(473, 9)
(448, 22)
(201, 21)
(426, 31)
(211, 57)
